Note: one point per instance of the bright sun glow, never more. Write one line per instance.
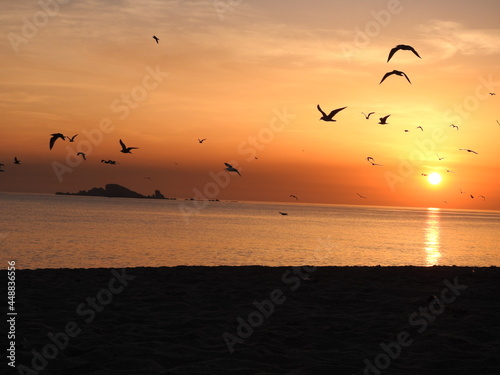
(434, 178)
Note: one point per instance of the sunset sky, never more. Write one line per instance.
(247, 76)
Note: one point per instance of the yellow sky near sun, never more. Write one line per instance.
(249, 82)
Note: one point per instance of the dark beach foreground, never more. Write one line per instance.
(257, 320)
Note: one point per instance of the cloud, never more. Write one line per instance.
(452, 38)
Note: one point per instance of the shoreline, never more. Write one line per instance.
(256, 319)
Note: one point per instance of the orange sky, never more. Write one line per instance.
(247, 76)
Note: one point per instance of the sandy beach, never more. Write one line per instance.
(257, 320)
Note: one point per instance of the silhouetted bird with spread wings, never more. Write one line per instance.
(468, 150)
(54, 138)
(396, 72)
(402, 47)
(230, 168)
(125, 149)
(383, 120)
(329, 117)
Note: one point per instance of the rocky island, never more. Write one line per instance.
(115, 191)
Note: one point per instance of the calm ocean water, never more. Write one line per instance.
(49, 231)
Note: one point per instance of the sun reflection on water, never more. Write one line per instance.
(432, 233)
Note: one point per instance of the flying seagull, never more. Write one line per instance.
(361, 196)
(294, 196)
(370, 159)
(112, 162)
(367, 116)
(125, 149)
(71, 139)
(492, 93)
(156, 39)
(201, 140)
(396, 72)
(83, 155)
(424, 174)
(482, 196)
(329, 117)
(439, 157)
(230, 168)
(54, 138)
(471, 196)
(466, 149)
(447, 170)
(407, 131)
(454, 126)
(419, 127)
(402, 47)
(283, 213)
(16, 160)
(383, 120)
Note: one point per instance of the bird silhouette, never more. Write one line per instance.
(329, 117)
(294, 196)
(454, 126)
(370, 159)
(468, 150)
(71, 139)
(112, 162)
(439, 157)
(419, 127)
(402, 47)
(448, 170)
(230, 168)
(156, 39)
(482, 196)
(2, 165)
(361, 196)
(84, 156)
(492, 93)
(383, 120)
(471, 196)
(396, 72)
(16, 160)
(367, 116)
(283, 213)
(407, 131)
(201, 140)
(54, 138)
(125, 149)
(424, 174)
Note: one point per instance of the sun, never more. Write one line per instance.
(434, 178)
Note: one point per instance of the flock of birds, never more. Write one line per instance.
(383, 120)
(324, 117)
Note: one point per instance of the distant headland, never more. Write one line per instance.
(116, 191)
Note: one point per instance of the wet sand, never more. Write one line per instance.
(258, 320)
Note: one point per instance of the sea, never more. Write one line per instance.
(58, 231)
